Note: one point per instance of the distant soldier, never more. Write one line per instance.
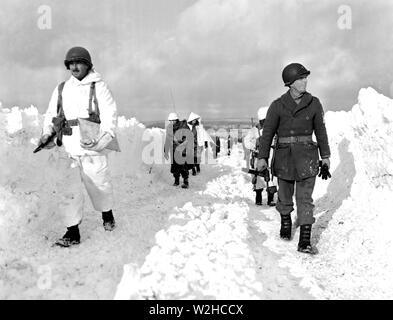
(201, 140)
(229, 144)
(294, 117)
(215, 146)
(251, 142)
(175, 143)
(218, 145)
(246, 151)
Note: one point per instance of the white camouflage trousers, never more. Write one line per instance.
(93, 173)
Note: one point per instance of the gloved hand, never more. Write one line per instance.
(99, 145)
(44, 139)
(326, 161)
(324, 172)
(261, 165)
(206, 146)
(166, 156)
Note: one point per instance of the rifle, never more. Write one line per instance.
(43, 145)
(265, 173)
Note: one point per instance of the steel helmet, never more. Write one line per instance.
(173, 116)
(262, 111)
(77, 54)
(293, 72)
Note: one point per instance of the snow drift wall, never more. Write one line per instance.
(353, 230)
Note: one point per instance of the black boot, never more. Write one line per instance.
(304, 240)
(270, 197)
(193, 171)
(109, 220)
(286, 227)
(198, 168)
(70, 238)
(258, 197)
(185, 183)
(177, 181)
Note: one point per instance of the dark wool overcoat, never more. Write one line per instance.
(286, 118)
(177, 134)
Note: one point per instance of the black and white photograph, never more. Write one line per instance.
(199, 150)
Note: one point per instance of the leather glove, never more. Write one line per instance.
(97, 145)
(44, 139)
(324, 172)
(261, 165)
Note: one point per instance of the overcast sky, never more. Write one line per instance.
(219, 58)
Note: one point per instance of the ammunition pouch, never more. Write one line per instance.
(94, 117)
(72, 122)
(67, 131)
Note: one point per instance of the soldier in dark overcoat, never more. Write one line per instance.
(294, 117)
(177, 135)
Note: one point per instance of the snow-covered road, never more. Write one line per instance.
(203, 242)
(212, 247)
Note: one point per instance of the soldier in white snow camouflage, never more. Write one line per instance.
(86, 160)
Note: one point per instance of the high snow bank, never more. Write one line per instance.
(28, 181)
(357, 241)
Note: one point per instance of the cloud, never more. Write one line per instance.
(223, 53)
(234, 51)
